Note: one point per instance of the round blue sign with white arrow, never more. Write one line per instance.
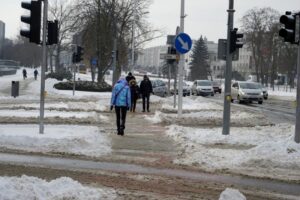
(183, 43)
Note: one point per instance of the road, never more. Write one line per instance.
(277, 110)
(141, 167)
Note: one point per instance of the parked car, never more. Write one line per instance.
(217, 87)
(264, 90)
(186, 90)
(203, 88)
(244, 91)
(159, 88)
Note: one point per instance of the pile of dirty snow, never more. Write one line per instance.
(25, 187)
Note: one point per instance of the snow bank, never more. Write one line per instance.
(231, 194)
(257, 149)
(210, 118)
(78, 140)
(190, 105)
(30, 188)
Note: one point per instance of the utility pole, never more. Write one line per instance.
(133, 36)
(44, 66)
(228, 72)
(114, 61)
(181, 63)
(297, 127)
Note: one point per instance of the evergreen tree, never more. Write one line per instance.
(199, 65)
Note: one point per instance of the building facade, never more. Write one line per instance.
(244, 66)
(150, 57)
(2, 37)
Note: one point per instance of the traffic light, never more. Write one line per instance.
(171, 50)
(235, 40)
(34, 21)
(79, 54)
(52, 32)
(289, 30)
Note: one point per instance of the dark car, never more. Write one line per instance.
(217, 87)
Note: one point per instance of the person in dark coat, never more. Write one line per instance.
(146, 90)
(35, 74)
(24, 74)
(129, 77)
(135, 93)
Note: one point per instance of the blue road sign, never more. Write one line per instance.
(183, 43)
(94, 61)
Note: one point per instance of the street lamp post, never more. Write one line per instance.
(44, 66)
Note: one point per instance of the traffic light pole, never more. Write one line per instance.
(297, 127)
(181, 64)
(74, 78)
(44, 66)
(228, 73)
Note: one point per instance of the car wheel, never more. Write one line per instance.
(260, 102)
(212, 94)
(265, 98)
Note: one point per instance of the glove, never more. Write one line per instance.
(111, 107)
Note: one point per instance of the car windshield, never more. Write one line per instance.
(216, 83)
(204, 83)
(249, 86)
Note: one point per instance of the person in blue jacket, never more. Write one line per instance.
(121, 100)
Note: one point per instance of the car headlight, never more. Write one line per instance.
(242, 93)
(261, 93)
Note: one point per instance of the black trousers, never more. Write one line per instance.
(121, 116)
(146, 99)
(133, 104)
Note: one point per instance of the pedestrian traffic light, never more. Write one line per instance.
(52, 32)
(172, 50)
(235, 40)
(34, 21)
(289, 30)
(79, 54)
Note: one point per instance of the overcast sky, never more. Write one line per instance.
(204, 17)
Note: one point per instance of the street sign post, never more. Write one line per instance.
(167, 56)
(183, 43)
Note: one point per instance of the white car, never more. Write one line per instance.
(203, 88)
(244, 91)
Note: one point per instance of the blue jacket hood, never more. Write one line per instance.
(123, 81)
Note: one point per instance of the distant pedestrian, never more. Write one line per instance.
(129, 77)
(24, 74)
(121, 100)
(135, 93)
(146, 90)
(35, 73)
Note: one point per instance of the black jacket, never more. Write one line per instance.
(146, 87)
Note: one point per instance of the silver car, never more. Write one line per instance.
(159, 88)
(246, 92)
(203, 88)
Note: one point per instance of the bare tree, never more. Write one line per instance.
(259, 25)
(28, 54)
(65, 11)
(105, 19)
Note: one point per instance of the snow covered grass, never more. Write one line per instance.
(77, 140)
(190, 105)
(261, 151)
(209, 118)
(27, 188)
(200, 111)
